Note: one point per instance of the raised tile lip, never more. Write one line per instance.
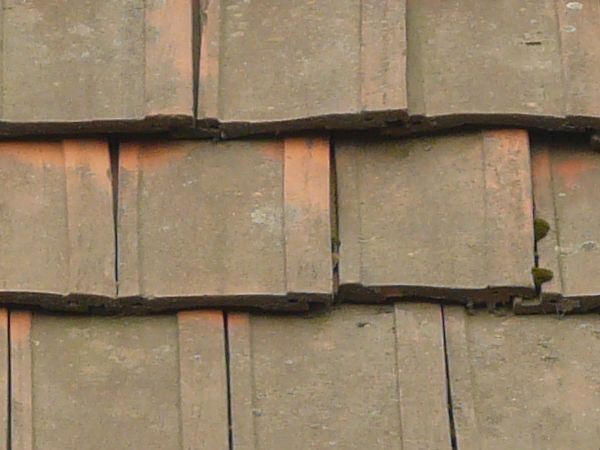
(388, 123)
(490, 295)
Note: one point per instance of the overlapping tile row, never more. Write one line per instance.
(157, 382)
(56, 223)
(352, 378)
(240, 68)
(424, 64)
(523, 382)
(96, 66)
(242, 223)
(447, 217)
(566, 182)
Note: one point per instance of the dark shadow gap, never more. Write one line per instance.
(228, 373)
(113, 148)
(8, 385)
(335, 233)
(196, 43)
(453, 440)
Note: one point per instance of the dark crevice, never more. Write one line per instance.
(196, 43)
(453, 440)
(335, 235)
(113, 147)
(228, 373)
(9, 386)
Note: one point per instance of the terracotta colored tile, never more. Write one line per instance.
(156, 382)
(274, 65)
(205, 223)
(448, 217)
(524, 382)
(508, 63)
(57, 228)
(349, 378)
(96, 65)
(566, 180)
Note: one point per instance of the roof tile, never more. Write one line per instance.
(351, 379)
(523, 382)
(314, 64)
(57, 223)
(566, 180)
(257, 223)
(118, 382)
(447, 217)
(95, 65)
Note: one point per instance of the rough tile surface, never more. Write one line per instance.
(507, 62)
(351, 378)
(566, 181)
(95, 64)
(524, 382)
(315, 62)
(245, 223)
(56, 222)
(446, 217)
(140, 382)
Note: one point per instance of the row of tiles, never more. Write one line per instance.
(357, 377)
(282, 223)
(239, 67)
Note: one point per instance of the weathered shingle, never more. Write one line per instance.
(365, 63)
(447, 217)
(352, 379)
(566, 181)
(154, 382)
(523, 382)
(56, 222)
(273, 65)
(101, 65)
(245, 223)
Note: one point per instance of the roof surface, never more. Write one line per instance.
(306, 195)
(406, 375)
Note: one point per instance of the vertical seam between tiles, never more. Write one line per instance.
(556, 220)
(196, 52)
(114, 151)
(228, 379)
(397, 377)
(450, 409)
(8, 385)
(334, 218)
(180, 435)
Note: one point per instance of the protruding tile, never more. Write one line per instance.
(448, 217)
(114, 64)
(244, 223)
(566, 181)
(524, 382)
(156, 382)
(56, 223)
(296, 77)
(351, 378)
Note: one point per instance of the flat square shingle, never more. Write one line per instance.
(154, 382)
(57, 237)
(351, 379)
(566, 182)
(272, 65)
(523, 382)
(446, 217)
(88, 64)
(507, 61)
(241, 222)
